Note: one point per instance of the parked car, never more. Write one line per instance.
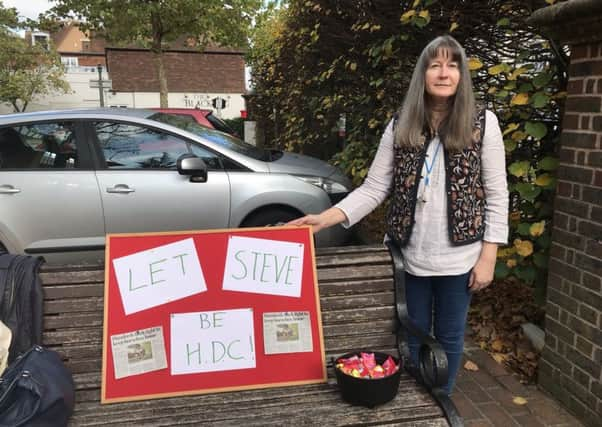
(202, 117)
(67, 178)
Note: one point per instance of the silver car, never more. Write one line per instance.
(67, 178)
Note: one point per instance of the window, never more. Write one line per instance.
(85, 45)
(40, 39)
(212, 135)
(35, 146)
(210, 159)
(69, 61)
(128, 146)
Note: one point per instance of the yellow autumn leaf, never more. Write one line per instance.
(416, 3)
(499, 357)
(425, 14)
(550, 1)
(453, 26)
(544, 180)
(353, 66)
(491, 90)
(517, 73)
(506, 252)
(471, 366)
(496, 69)
(406, 16)
(519, 135)
(519, 400)
(511, 128)
(520, 99)
(511, 263)
(474, 64)
(537, 228)
(523, 247)
(497, 345)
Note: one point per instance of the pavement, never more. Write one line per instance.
(485, 397)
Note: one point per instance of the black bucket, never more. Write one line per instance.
(368, 392)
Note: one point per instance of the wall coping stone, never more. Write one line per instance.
(573, 21)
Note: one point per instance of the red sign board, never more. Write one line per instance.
(210, 311)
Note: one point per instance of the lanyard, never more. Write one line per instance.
(429, 169)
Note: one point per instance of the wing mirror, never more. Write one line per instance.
(192, 166)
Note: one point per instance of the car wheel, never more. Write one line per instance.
(275, 216)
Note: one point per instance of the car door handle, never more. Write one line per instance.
(120, 188)
(8, 189)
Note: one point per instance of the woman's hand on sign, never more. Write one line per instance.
(326, 219)
(482, 272)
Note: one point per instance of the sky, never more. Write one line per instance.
(29, 8)
(32, 8)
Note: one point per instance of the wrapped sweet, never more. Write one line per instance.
(365, 366)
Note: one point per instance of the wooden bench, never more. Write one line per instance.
(357, 294)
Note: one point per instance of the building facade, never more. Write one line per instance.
(213, 79)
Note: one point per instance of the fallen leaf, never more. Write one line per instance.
(499, 357)
(471, 366)
(519, 400)
(497, 345)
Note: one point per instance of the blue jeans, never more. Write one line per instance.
(444, 300)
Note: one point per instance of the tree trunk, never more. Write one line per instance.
(157, 49)
(162, 78)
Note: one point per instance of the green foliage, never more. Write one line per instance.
(26, 71)
(157, 23)
(527, 94)
(320, 59)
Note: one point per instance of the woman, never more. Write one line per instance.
(443, 162)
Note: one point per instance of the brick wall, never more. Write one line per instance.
(134, 71)
(571, 363)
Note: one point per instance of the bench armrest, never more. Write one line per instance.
(433, 369)
(432, 358)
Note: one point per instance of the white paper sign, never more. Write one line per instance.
(160, 275)
(211, 341)
(263, 266)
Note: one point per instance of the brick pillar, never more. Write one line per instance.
(571, 364)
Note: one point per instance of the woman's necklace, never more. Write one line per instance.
(429, 169)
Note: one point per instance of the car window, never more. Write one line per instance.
(210, 158)
(127, 146)
(212, 135)
(38, 145)
(220, 125)
(184, 117)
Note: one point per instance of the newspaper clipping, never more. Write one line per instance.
(138, 352)
(287, 332)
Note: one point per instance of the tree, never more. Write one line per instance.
(26, 71)
(157, 23)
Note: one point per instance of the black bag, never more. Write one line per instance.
(36, 390)
(21, 300)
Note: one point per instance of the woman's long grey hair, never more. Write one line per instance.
(457, 128)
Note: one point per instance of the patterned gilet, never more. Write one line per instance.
(464, 189)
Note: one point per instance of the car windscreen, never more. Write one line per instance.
(225, 140)
(220, 125)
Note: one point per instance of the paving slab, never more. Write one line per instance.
(485, 397)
